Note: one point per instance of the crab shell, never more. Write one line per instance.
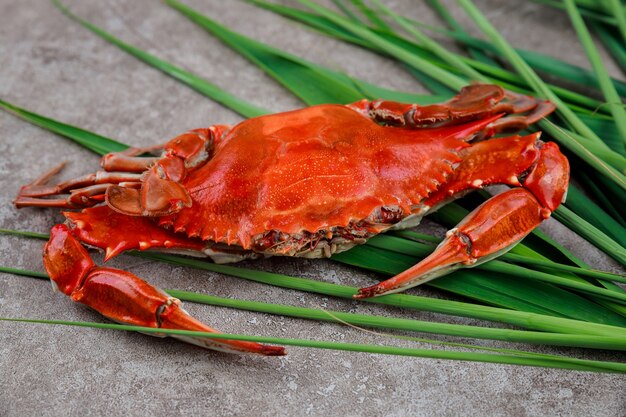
(275, 184)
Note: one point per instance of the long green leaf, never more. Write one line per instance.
(613, 44)
(92, 141)
(616, 8)
(539, 86)
(604, 124)
(433, 46)
(315, 84)
(614, 102)
(197, 83)
(538, 61)
(547, 361)
(594, 14)
(445, 77)
(607, 197)
(519, 318)
(589, 232)
(476, 53)
(498, 75)
(390, 323)
(588, 210)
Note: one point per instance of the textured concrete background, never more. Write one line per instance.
(52, 66)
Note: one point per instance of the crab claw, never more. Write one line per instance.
(486, 233)
(494, 227)
(126, 298)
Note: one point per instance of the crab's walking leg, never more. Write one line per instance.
(131, 184)
(124, 297)
(477, 101)
(502, 221)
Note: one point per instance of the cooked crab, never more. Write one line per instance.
(307, 183)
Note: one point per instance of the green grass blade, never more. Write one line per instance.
(538, 61)
(587, 209)
(371, 15)
(519, 318)
(605, 124)
(614, 102)
(313, 84)
(592, 234)
(430, 44)
(613, 44)
(25, 233)
(450, 80)
(195, 82)
(592, 14)
(603, 195)
(447, 17)
(344, 9)
(531, 77)
(92, 141)
(617, 9)
(547, 361)
(581, 286)
(389, 323)
(315, 21)
(330, 29)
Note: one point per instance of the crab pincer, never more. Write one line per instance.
(125, 298)
(495, 226)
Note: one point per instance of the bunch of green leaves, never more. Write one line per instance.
(538, 286)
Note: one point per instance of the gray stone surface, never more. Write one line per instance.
(52, 66)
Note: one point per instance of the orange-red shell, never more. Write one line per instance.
(311, 169)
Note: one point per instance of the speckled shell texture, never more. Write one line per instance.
(311, 169)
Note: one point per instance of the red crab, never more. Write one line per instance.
(309, 183)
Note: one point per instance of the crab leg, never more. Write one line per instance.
(473, 102)
(502, 221)
(126, 298)
(131, 184)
